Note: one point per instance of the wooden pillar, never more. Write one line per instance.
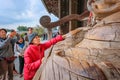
(81, 7)
(49, 33)
(72, 10)
(64, 11)
(59, 9)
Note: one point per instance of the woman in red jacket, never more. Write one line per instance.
(34, 54)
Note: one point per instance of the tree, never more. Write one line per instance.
(39, 29)
(8, 30)
(22, 28)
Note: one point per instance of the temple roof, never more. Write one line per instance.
(51, 6)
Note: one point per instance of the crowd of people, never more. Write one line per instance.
(28, 50)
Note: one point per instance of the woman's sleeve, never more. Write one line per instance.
(53, 41)
(29, 63)
(17, 53)
(5, 43)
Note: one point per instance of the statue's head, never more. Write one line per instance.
(103, 8)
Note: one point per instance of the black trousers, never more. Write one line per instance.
(21, 66)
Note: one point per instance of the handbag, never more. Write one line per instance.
(10, 59)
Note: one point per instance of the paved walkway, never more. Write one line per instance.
(17, 77)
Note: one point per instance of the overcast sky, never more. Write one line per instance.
(21, 12)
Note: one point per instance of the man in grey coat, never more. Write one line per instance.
(6, 55)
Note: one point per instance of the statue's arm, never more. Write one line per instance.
(65, 19)
(70, 17)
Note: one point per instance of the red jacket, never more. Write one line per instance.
(33, 56)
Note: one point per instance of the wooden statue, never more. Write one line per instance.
(90, 53)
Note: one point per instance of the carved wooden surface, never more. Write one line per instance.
(89, 54)
(52, 6)
(103, 8)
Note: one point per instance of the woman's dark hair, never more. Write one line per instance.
(12, 30)
(25, 34)
(4, 30)
(19, 39)
(30, 28)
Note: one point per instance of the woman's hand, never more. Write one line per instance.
(71, 33)
(43, 59)
(66, 35)
(22, 55)
(12, 34)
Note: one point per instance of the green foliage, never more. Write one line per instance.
(22, 34)
(8, 30)
(22, 28)
(38, 29)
